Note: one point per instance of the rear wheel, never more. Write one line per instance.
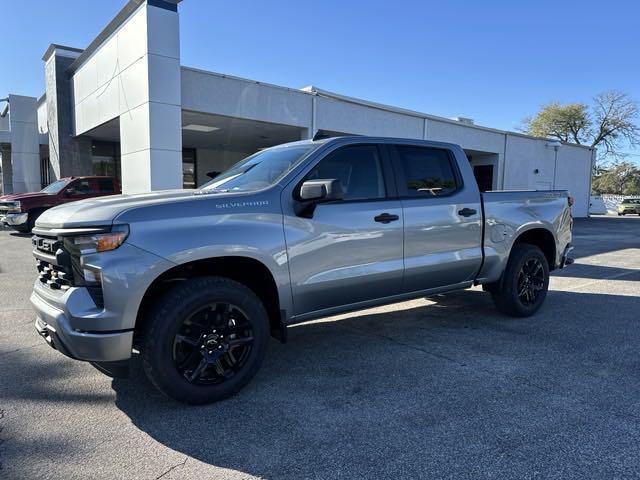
(524, 284)
(205, 340)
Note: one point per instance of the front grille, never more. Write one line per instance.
(5, 207)
(52, 262)
(59, 269)
(53, 276)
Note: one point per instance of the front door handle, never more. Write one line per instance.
(386, 218)
(467, 212)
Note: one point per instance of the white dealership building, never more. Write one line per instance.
(125, 106)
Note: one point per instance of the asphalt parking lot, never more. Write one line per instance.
(437, 388)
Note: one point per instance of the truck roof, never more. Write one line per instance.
(368, 139)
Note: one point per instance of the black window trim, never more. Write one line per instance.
(403, 191)
(388, 175)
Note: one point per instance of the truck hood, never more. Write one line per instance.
(23, 196)
(101, 211)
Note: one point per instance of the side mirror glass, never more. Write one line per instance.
(321, 190)
(70, 192)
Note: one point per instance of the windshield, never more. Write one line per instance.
(259, 170)
(632, 201)
(55, 187)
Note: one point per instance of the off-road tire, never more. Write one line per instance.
(166, 319)
(505, 293)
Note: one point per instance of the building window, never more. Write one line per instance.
(106, 159)
(45, 172)
(189, 168)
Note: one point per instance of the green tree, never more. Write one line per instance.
(609, 124)
(622, 178)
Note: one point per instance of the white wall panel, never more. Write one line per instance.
(466, 136)
(133, 85)
(106, 61)
(132, 39)
(363, 120)
(164, 79)
(135, 130)
(164, 38)
(165, 126)
(212, 93)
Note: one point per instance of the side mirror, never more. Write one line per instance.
(321, 190)
(70, 192)
(313, 192)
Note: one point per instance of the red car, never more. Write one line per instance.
(21, 210)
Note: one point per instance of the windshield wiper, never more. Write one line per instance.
(210, 191)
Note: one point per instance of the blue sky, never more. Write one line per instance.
(494, 61)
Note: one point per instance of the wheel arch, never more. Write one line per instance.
(246, 270)
(541, 237)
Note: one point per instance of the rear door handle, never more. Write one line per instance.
(467, 212)
(386, 218)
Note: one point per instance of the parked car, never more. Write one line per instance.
(629, 206)
(20, 211)
(197, 280)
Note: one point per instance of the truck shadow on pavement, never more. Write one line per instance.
(432, 391)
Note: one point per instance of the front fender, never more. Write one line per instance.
(256, 234)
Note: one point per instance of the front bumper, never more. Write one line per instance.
(15, 219)
(54, 326)
(80, 326)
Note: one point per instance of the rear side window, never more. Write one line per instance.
(428, 171)
(105, 185)
(359, 169)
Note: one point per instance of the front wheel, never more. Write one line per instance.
(205, 340)
(524, 284)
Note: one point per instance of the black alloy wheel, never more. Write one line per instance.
(205, 339)
(213, 344)
(531, 280)
(523, 287)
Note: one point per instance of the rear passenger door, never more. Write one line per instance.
(442, 219)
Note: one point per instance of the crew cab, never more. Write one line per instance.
(196, 281)
(21, 210)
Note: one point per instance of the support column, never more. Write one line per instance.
(151, 132)
(25, 147)
(69, 155)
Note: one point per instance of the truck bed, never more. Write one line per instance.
(509, 213)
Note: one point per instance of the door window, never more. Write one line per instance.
(359, 169)
(428, 171)
(82, 187)
(105, 185)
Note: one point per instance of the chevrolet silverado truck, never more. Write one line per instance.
(196, 281)
(20, 211)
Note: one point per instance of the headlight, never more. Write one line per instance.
(15, 208)
(102, 242)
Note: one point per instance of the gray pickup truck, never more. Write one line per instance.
(197, 281)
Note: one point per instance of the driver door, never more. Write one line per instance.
(82, 188)
(349, 251)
